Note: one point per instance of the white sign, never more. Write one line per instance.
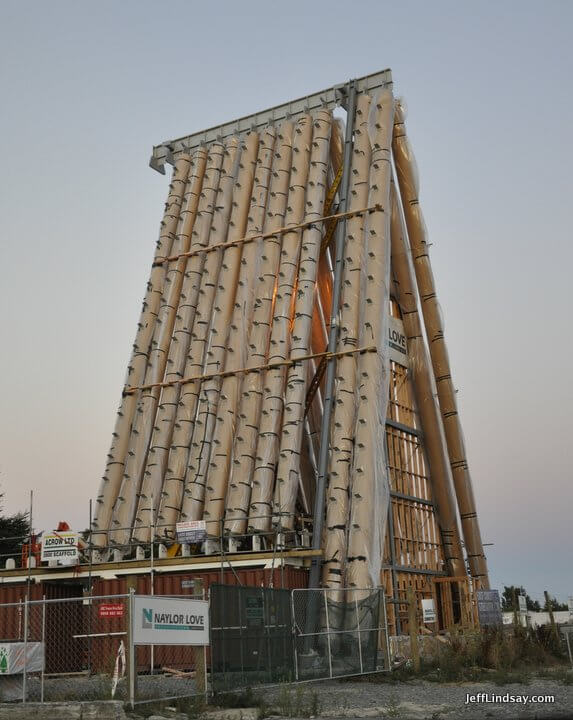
(428, 610)
(170, 621)
(192, 531)
(61, 546)
(398, 349)
(571, 605)
(522, 601)
(15, 656)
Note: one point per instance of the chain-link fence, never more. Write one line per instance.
(339, 633)
(81, 648)
(251, 636)
(45, 643)
(78, 649)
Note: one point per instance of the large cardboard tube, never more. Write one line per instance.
(369, 492)
(215, 211)
(409, 191)
(178, 347)
(272, 399)
(142, 426)
(342, 431)
(111, 481)
(288, 464)
(239, 487)
(201, 443)
(434, 441)
(237, 342)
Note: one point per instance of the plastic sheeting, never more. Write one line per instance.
(111, 481)
(239, 490)
(199, 454)
(370, 493)
(342, 433)
(237, 342)
(288, 477)
(215, 211)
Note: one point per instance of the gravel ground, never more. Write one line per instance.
(415, 699)
(420, 700)
(98, 687)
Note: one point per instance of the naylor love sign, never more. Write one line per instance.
(169, 621)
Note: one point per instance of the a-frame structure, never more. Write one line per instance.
(290, 384)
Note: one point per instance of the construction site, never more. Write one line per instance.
(288, 445)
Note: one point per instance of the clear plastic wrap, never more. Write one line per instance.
(213, 216)
(342, 429)
(237, 342)
(163, 424)
(409, 190)
(267, 439)
(142, 425)
(219, 349)
(239, 486)
(288, 477)
(370, 494)
(111, 481)
(199, 357)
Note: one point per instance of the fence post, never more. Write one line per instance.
(132, 664)
(43, 647)
(294, 634)
(383, 624)
(25, 676)
(199, 651)
(413, 627)
(358, 632)
(327, 632)
(551, 616)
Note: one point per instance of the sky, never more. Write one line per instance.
(89, 87)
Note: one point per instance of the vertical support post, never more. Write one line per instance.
(358, 631)
(132, 662)
(151, 576)
(294, 634)
(515, 606)
(43, 648)
(205, 666)
(568, 646)
(199, 651)
(90, 591)
(221, 529)
(384, 628)
(25, 676)
(324, 591)
(551, 616)
(413, 627)
(314, 576)
(393, 575)
(30, 545)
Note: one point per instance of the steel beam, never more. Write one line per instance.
(404, 428)
(335, 96)
(314, 578)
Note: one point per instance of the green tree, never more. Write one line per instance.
(511, 591)
(14, 530)
(555, 605)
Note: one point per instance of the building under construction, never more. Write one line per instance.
(289, 384)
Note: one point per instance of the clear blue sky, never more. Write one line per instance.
(89, 87)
